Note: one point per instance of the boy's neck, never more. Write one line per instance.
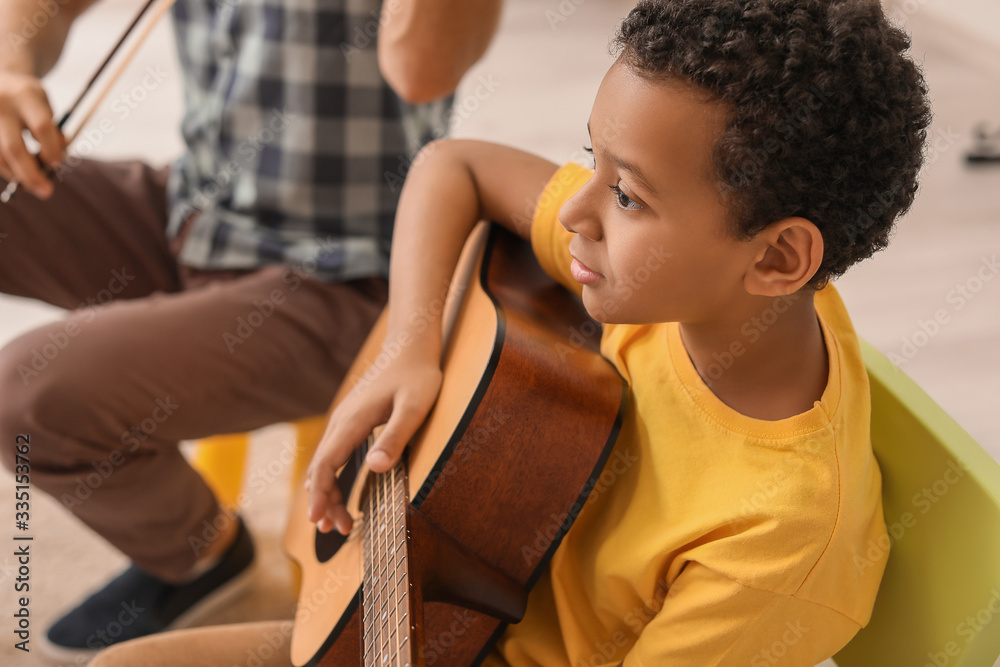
(766, 361)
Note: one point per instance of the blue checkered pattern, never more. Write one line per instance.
(295, 144)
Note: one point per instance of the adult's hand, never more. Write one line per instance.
(24, 105)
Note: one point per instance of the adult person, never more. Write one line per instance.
(226, 292)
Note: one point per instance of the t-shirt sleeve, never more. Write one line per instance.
(709, 620)
(549, 239)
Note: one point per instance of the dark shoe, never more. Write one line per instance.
(135, 604)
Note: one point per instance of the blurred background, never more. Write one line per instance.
(544, 69)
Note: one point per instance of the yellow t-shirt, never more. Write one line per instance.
(712, 538)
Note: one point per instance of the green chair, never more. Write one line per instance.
(939, 601)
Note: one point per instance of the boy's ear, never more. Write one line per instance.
(789, 253)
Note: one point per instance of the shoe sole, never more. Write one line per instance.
(225, 595)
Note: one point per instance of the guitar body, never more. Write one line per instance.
(526, 418)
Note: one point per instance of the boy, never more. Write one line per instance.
(762, 147)
(745, 153)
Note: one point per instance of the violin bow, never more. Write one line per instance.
(162, 9)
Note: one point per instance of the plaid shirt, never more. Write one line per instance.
(296, 146)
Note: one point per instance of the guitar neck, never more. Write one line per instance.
(389, 629)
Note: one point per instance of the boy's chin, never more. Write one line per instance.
(610, 311)
(601, 310)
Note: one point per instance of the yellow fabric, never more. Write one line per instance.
(712, 538)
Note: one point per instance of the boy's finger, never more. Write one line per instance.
(323, 486)
(340, 518)
(388, 447)
(345, 436)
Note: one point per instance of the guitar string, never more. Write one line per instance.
(394, 600)
(368, 588)
(369, 602)
(387, 514)
(367, 583)
(385, 495)
(387, 609)
(401, 533)
(391, 550)
(402, 565)
(390, 643)
(376, 592)
(403, 495)
(380, 556)
(377, 577)
(395, 552)
(365, 593)
(376, 627)
(382, 638)
(373, 578)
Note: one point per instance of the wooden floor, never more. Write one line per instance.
(534, 90)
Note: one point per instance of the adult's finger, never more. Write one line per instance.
(21, 162)
(37, 115)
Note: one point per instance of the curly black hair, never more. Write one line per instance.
(827, 115)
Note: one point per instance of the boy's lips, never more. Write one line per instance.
(582, 273)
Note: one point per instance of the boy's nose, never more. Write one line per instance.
(579, 214)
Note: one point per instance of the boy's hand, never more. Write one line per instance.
(23, 104)
(400, 396)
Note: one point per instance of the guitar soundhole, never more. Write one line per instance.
(327, 544)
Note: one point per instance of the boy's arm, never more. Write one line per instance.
(450, 187)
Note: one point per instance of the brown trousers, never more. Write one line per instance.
(153, 353)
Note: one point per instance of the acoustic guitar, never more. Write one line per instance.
(446, 545)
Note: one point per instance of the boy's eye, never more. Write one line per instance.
(623, 199)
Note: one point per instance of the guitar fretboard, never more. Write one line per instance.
(388, 633)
